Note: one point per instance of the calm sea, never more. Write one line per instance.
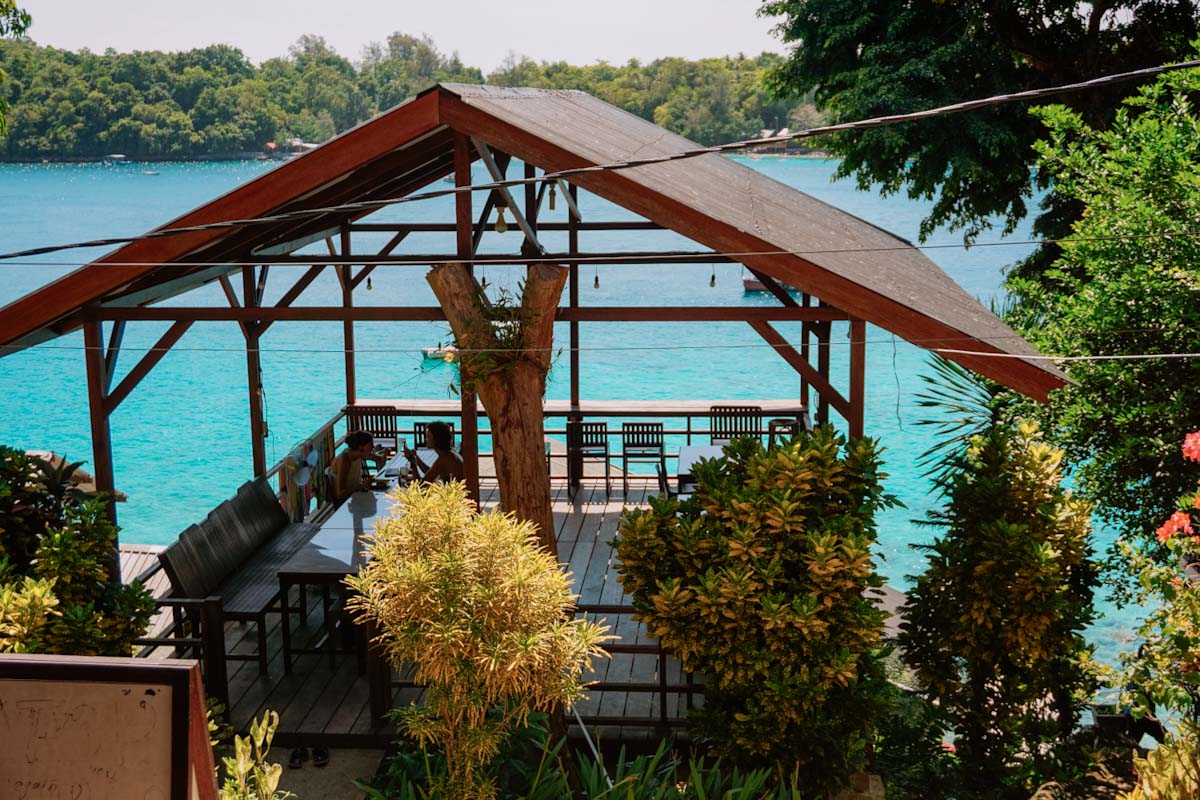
(180, 439)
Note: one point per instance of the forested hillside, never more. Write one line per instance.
(215, 101)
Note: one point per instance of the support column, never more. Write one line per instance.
(824, 331)
(254, 376)
(102, 460)
(574, 459)
(466, 250)
(858, 376)
(348, 325)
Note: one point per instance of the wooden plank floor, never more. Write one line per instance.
(324, 700)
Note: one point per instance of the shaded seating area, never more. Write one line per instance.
(381, 422)
(233, 556)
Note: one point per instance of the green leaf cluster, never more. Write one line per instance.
(482, 616)
(55, 547)
(248, 774)
(1126, 284)
(759, 582)
(868, 58)
(993, 627)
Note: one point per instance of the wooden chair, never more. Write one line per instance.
(730, 422)
(664, 481)
(380, 421)
(640, 441)
(589, 440)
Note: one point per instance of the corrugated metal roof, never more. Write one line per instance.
(713, 200)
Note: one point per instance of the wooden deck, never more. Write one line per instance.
(325, 700)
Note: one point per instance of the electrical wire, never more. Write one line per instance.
(875, 122)
(634, 259)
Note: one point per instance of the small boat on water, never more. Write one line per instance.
(115, 160)
(149, 172)
(447, 354)
(753, 284)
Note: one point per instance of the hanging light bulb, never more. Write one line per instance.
(501, 225)
(552, 197)
(483, 284)
(596, 280)
(368, 283)
(712, 281)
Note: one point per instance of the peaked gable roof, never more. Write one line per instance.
(731, 208)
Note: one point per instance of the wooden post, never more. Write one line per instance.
(254, 376)
(573, 250)
(858, 376)
(824, 331)
(93, 344)
(348, 325)
(466, 250)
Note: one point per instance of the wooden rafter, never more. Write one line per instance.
(818, 381)
(435, 313)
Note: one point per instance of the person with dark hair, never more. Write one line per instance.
(448, 465)
(349, 476)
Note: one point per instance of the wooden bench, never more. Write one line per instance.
(235, 555)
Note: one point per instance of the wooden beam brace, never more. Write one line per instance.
(291, 294)
(230, 294)
(858, 377)
(260, 288)
(447, 227)
(522, 221)
(573, 204)
(434, 313)
(113, 352)
(147, 362)
(815, 378)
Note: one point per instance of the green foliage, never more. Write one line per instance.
(1120, 418)
(1171, 771)
(248, 775)
(55, 547)
(213, 100)
(993, 627)
(908, 749)
(874, 57)
(484, 614)
(758, 581)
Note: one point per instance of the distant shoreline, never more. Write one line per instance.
(258, 156)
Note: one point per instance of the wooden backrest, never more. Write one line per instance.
(375, 420)
(206, 554)
(184, 566)
(641, 434)
(587, 434)
(730, 422)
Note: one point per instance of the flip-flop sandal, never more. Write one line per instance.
(298, 757)
(320, 756)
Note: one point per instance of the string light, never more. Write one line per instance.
(551, 196)
(501, 224)
(369, 283)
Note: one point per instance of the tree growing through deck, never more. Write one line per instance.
(507, 366)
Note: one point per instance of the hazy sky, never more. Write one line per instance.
(482, 31)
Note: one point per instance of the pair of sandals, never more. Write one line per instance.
(320, 757)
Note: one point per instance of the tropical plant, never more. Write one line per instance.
(1125, 286)
(484, 616)
(56, 545)
(759, 582)
(1166, 668)
(993, 627)
(248, 774)
(1171, 771)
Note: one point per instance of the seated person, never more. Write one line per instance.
(349, 476)
(448, 465)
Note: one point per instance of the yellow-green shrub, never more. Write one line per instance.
(759, 582)
(1169, 772)
(485, 617)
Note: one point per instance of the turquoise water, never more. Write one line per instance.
(180, 439)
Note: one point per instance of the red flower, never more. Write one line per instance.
(1179, 521)
(1191, 446)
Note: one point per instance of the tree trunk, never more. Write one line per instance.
(510, 383)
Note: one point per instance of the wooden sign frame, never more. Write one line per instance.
(192, 772)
